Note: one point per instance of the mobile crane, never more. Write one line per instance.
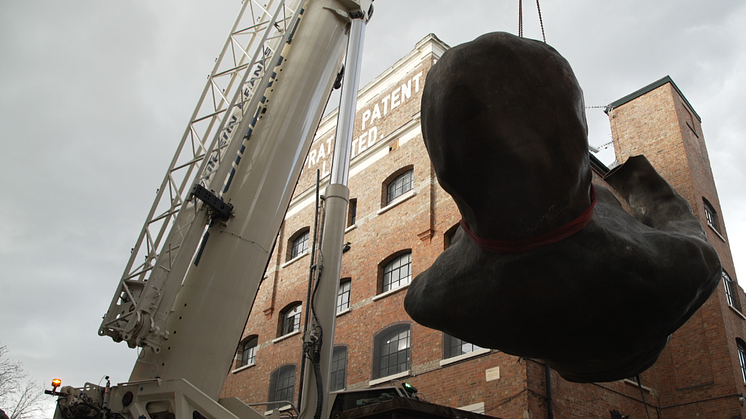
(210, 233)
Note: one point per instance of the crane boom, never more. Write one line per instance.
(190, 299)
(213, 303)
(139, 308)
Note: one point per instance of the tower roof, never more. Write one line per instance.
(652, 86)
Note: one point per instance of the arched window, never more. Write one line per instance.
(742, 357)
(397, 272)
(282, 384)
(290, 318)
(338, 368)
(730, 291)
(392, 351)
(343, 294)
(248, 350)
(453, 346)
(298, 244)
(399, 185)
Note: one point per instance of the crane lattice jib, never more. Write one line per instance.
(227, 109)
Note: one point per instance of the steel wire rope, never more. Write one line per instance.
(520, 20)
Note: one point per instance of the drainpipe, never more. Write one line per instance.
(550, 407)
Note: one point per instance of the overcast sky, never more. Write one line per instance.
(95, 94)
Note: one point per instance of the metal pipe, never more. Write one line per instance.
(550, 404)
(346, 122)
(312, 275)
(335, 202)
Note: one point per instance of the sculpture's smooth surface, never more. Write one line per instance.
(503, 120)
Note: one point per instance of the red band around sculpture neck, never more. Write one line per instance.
(516, 246)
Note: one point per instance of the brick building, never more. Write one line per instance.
(400, 220)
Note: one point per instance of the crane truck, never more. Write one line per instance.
(210, 233)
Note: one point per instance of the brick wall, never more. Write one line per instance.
(699, 372)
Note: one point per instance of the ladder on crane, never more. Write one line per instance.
(225, 115)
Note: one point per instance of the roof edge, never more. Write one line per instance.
(647, 89)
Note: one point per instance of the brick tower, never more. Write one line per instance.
(701, 370)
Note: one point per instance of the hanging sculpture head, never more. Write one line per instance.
(545, 265)
(508, 105)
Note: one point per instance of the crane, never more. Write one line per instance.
(210, 232)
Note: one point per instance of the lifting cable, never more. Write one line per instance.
(520, 20)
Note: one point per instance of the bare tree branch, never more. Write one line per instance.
(20, 398)
(29, 402)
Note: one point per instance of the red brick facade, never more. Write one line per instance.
(699, 372)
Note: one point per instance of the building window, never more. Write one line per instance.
(392, 351)
(299, 244)
(742, 357)
(397, 272)
(449, 238)
(282, 384)
(343, 295)
(399, 186)
(711, 215)
(248, 351)
(730, 291)
(453, 346)
(351, 212)
(290, 319)
(338, 368)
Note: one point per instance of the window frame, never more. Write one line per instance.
(731, 293)
(385, 285)
(344, 292)
(281, 375)
(711, 215)
(383, 369)
(742, 357)
(299, 243)
(390, 197)
(246, 358)
(351, 212)
(338, 367)
(450, 343)
(296, 309)
(449, 237)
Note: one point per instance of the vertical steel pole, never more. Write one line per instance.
(346, 120)
(336, 198)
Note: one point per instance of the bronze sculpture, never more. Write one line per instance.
(546, 265)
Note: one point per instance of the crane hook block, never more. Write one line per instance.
(219, 208)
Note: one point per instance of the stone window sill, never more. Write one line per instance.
(457, 358)
(289, 335)
(397, 201)
(343, 312)
(291, 261)
(388, 378)
(737, 312)
(474, 408)
(716, 232)
(634, 383)
(389, 292)
(239, 369)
